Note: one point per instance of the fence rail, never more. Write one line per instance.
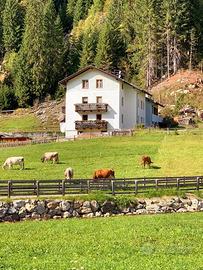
(85, 186)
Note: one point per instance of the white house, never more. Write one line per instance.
(98, 101)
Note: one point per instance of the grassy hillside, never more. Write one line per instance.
(18, 123)
(173, 155)
(169, 242)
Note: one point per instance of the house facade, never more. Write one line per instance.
(98, 101)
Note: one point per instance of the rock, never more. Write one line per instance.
(140, 206)
(77, 205)
(65, 206)
(141, 211)
(90, 215)
(75, 214)
(107, 215)
(54, 212)
(67, 214)
(22, 212)
(98, 214)
(40, 208)
(46, 216)
(12, 210)
(108, 207)
(35, 215)
(8, 219)
(3, 212)
(94, 206)
(53, 204)
(154, 208)
(18, 204)
(181, 210)
(56, 217)
(125, 210)
(30, 207)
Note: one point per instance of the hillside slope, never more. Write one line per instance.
(184, 88)
(45, 116)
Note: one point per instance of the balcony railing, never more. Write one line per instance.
(91, 107)
(91, 125)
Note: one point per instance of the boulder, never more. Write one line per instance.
(65, 206)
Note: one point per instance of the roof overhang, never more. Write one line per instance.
(91, 67)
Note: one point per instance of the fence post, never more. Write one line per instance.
(157, 183)
(9, 188)
(198, 180)
(63, 191)
(136, 186)
(112, 187)
(178, 183)
(88, 186)
(37, 186)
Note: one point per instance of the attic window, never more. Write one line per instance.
(85, 84)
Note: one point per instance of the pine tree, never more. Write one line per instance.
(12, 25)
(54, 47)
(30, 67)
(103, 57)
(88, 48)
(2, 5)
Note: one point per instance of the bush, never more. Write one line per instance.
(7, 98)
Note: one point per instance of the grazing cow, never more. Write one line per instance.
(14, 161)
(146, 160)
(104, 173)
(50, 156)
(68, 173)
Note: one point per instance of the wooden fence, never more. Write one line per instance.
(85, 186)
(28, 142)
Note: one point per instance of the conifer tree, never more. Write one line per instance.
(30, 67)
(2, 5)
(12, 25)
(88, 48)
(54, 47)
(103, 57)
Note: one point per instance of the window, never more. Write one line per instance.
(99, 83)
(122, 118)
(122, 101)
(85, 117)
(99, 117)
(99, 99)
(85, 84)
(84, 100)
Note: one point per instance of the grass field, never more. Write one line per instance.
(169, 242)
(173, 155)
(19, 123)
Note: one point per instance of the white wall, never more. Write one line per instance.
(129, 107)
(110, 94)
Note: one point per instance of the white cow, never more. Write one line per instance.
(54, 156)
(68, 173)
(14, 161)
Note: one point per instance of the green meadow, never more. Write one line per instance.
(172, 154)
(169, 242)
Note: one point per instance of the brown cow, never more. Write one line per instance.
(104, 173)
(146, 160)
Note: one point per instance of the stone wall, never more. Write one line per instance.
(57, 209)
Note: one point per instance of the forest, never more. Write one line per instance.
(42, 41)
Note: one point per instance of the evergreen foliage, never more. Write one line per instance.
(12, 25)
(147, 40)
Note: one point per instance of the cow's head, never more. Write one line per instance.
(42, 159)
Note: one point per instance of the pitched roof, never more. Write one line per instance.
(82, 70)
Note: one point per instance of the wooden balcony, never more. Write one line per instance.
(91, 125)
(91, 107)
